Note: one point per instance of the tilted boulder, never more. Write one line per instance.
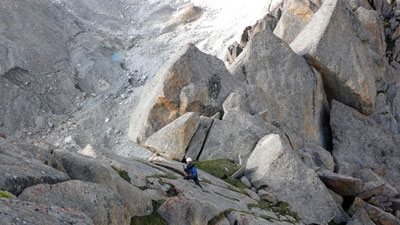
(195, 82)
(359, 142)
(80, 167)
(373, 24)
(275, 165)
(315, 157)
(295, 16)
(341, 184)
(20, 169)
(197, 141)
(99, 202)
(172, 140)
(377, 215)
(227, 141)
(360, 217)
(13, 210)
(282, 84)
(336, 49)
(254, 124)
(374, 184)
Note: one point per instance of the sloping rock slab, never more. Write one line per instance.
(172, 140)
(341, 184)
(275, 165)
(80, 167)
(347, 69)
(284, 85)
(20, 169)
(194, 206)
(138, 170)
(194, 82)
(99, 202)
(22, 212)
(359, 142)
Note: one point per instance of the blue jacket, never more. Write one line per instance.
(191, 171)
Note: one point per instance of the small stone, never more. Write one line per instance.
(68, 140)
(107, 120)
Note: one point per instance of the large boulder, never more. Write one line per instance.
(275, 165)
(254, 124)
(227, 141)
(20, 169)
(194, 82)
(295, 16)
(80, 167)
(359, 142)
(99, 202)
(14, 211)
(284, 86)
(338, 51)
(172, 140)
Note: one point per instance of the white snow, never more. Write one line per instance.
(221, 23)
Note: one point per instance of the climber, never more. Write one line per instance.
(191, 172)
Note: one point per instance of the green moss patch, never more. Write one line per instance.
(122, 173)
(153, 219)
(386, 24)
(222, 169)
(4, 194)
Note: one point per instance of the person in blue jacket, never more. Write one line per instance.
(191, 172)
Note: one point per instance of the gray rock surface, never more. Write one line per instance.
(173, 139)
(20, 169)
(14, 211)
(359, 142)
(282, 84)
(99, 202)
(80, 167)
(349, 81)
(275, 165)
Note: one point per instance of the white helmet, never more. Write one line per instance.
(188, 159)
